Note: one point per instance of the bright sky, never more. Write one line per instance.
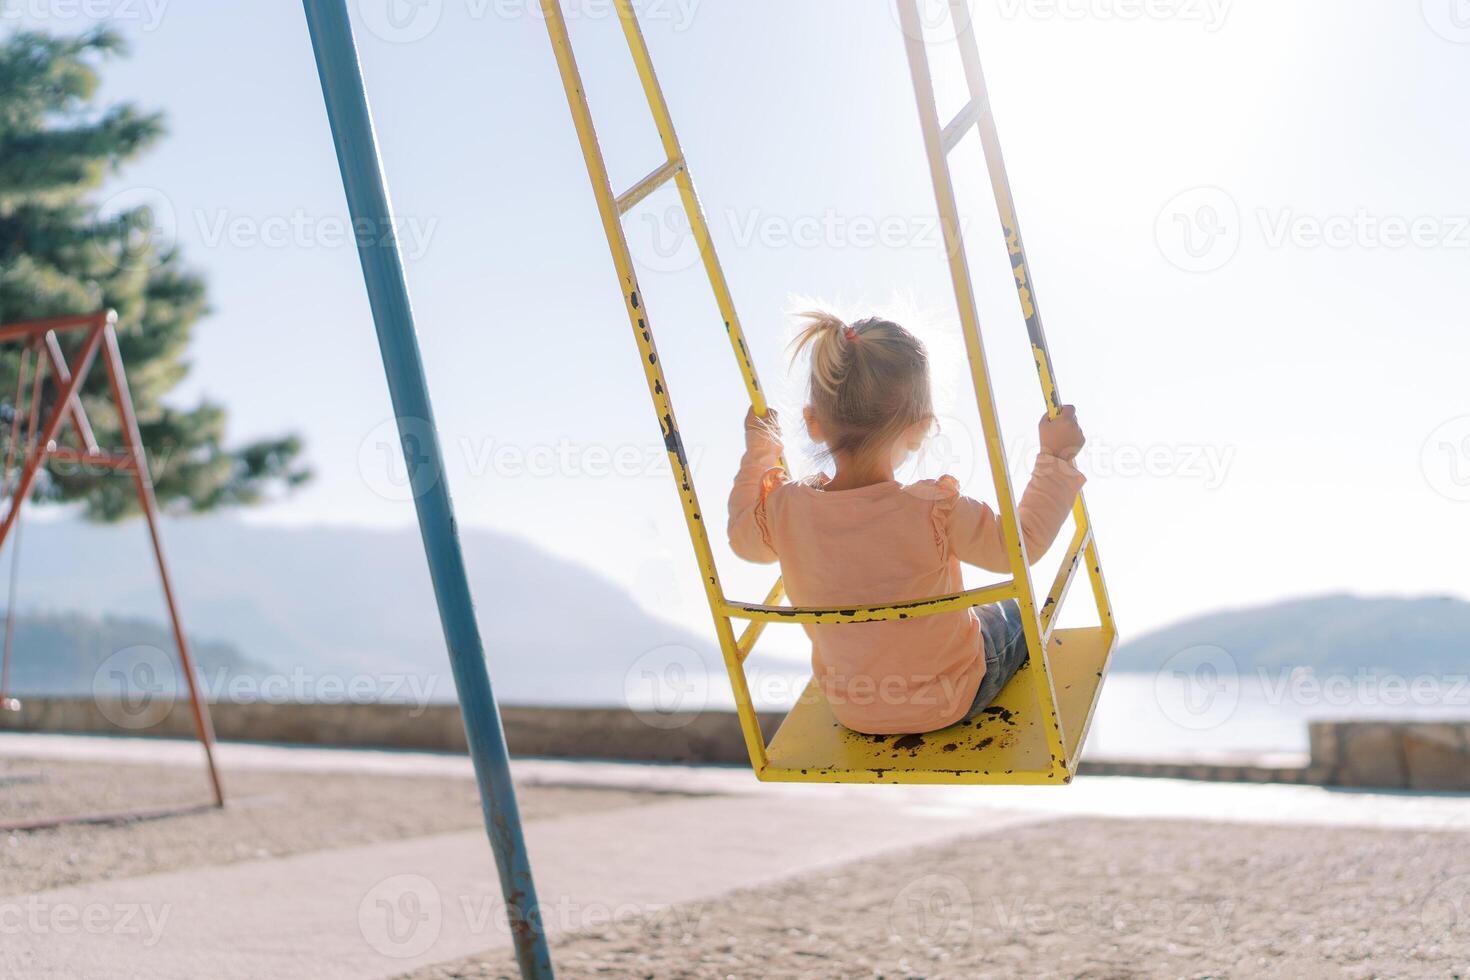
(1247, 223)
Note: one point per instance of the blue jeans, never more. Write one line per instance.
(1005, 651)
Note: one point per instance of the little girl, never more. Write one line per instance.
(861, 537)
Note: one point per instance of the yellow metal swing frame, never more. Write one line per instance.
(1035, 730)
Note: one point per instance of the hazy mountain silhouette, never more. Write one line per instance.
(1342, 633)
(356, 602)
(74, 653)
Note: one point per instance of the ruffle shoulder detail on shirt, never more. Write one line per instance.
(944, 493)
(772, 480)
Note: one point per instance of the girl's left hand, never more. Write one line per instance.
(770, 425)
(754, 422)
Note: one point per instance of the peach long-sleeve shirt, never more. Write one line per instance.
(880, 543)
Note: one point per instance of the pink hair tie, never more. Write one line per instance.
(850, 333)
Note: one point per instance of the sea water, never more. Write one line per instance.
(1147, 715)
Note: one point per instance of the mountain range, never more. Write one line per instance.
(348, 603)
(334, 602)
(1340, 633)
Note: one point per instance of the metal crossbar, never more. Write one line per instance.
(630, 198)
(938, 141)
(910, 609)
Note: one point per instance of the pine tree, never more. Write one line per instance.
(60, 255)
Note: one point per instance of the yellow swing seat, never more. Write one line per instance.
(1035, 730)
(1006, 744)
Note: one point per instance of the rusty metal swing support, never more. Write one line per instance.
(39, 340)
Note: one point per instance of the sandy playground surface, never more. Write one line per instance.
(270, 814)
(1083, 897)
(1093, 898)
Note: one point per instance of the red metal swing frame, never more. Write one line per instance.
(39, 340)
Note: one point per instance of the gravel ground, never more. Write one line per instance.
(270, 814)
(1094, 898)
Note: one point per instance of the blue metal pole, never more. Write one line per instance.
(382, 268)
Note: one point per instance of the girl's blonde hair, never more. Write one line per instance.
(870, 380)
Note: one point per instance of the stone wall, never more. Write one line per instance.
(1214, 770)
(1392, 755)
(1424, 756)
(588, 733)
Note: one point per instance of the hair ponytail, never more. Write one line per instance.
(869, 380)
(825, 334)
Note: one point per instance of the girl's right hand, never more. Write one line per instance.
(1061, 436)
